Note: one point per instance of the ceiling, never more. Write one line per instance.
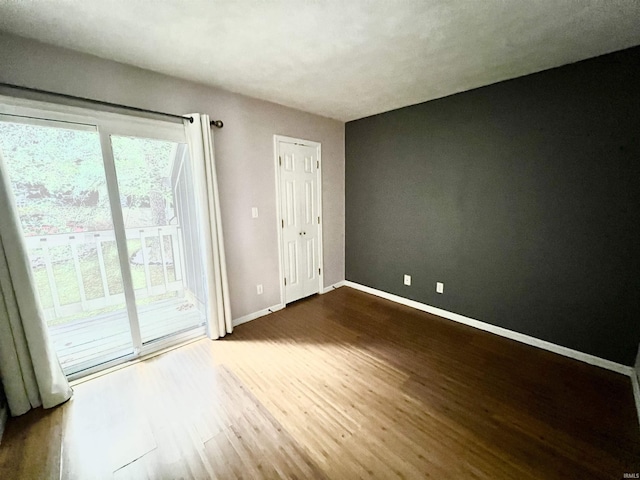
(341, 59)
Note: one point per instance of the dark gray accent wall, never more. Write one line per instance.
(522, 197)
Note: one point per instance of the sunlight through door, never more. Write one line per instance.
(163, 238)
(59, 184)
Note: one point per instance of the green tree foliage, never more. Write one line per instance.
(145, 182)
(58, 177)
(65, 161)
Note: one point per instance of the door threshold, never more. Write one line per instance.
(300, 300)
(126, 362)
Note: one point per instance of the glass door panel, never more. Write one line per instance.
(163, 237)
(58, 179)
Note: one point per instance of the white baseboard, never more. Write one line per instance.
(332, 287)
(275, 308)
(258, 314)
(4, 416)
(503, 332)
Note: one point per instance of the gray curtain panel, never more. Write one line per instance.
(31, 372)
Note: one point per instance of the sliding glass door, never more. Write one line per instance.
(60, 188)
(110, 223)
(149, 174)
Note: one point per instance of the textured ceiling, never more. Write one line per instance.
(341, 59)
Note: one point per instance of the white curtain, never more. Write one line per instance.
(31, 372)
(202, 158)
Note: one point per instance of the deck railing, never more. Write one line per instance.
(170, 257)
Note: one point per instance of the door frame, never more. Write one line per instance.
(108, 123)
(277, 139)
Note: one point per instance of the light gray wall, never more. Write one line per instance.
(244, 153)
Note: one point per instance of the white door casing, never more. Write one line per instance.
(299, 198)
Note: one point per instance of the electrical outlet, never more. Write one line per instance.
(407, 280)
(439, 287)
(259, 289)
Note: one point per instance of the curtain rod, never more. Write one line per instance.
(215, 123)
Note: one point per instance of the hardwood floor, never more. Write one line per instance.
(339, 386)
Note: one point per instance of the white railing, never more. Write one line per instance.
(39, 248)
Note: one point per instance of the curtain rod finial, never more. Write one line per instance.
(217, 123)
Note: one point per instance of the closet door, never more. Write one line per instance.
(300, 220)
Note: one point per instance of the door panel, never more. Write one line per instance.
(311, 258)
(290, 204)
(59, 184)
(298, 177)
(292, 274)
(167, 300)
(308, 205)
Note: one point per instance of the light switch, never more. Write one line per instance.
(254, 212)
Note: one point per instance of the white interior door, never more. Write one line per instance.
(299, 203)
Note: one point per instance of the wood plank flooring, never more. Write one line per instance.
(340, 386)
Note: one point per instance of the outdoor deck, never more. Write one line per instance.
(76, 342)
